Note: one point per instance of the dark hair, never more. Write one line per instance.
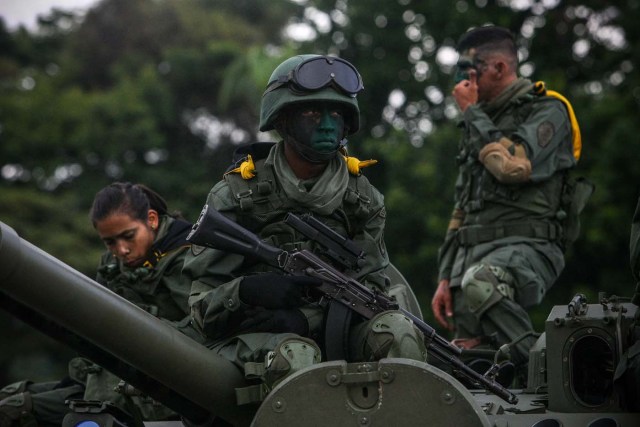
(124, 197)
(489, 38)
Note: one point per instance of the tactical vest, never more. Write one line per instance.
(263, 205)
(495, 210)
(143, 286)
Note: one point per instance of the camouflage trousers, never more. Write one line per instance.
(389, 334)
(104, 386)
(44, 404)
(534, 266)
(37, 404)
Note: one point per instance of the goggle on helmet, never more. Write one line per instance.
(306, 78)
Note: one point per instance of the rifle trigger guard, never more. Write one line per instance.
(282, 259)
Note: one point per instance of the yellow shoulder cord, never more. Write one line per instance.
(247, 168)
(577, 139)
(354, 165)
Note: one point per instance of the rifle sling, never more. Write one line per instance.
(336, 331)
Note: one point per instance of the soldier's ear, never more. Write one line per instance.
(501, 68)
(153, 219)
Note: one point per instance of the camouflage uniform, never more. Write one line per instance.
(157, 288)
(25, 403)
(627, 374)
(347, 203)
(507, 234)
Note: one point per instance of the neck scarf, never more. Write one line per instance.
(322, 194)
(515, 90)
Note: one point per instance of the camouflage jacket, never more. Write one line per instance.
(491, 210)
(260, 204)
(158, 286)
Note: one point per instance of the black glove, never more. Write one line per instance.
(273, 290)
(263, 320)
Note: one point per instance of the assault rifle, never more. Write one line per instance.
(216, 231)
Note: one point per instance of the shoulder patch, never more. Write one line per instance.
(545, 133)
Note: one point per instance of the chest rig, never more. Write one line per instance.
(495, 210)
(146, 286)
(263, 205)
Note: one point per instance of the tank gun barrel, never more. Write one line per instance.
(141, 349)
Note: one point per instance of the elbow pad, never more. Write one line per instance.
(457, 217)
(507, 161)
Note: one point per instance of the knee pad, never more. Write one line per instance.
(392, 334)
(14, 388)
(291, 355)
(484, 285)
(17, 410)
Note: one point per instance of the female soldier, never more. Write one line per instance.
(146, 246)
(143, 262)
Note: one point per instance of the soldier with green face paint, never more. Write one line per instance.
(515, 205)
(268, 323)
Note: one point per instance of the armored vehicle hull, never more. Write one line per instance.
(570, 372)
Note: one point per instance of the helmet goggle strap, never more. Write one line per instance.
(318, 73)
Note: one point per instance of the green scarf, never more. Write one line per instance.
(322, 194)
(513, 91)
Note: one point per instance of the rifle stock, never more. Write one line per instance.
(216, 231)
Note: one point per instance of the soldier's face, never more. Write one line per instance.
(479, 67)
(318, 125)
(128, 239)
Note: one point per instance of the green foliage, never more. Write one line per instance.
(57, 223)
(162, 91)
(584, 50)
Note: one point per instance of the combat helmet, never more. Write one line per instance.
(305, 78)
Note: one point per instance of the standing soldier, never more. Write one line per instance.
(504, 246)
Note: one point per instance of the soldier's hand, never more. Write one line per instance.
(273, 290)
(466, 92)
(441, 304)
(263, 320)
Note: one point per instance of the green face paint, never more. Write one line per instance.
(319, 126)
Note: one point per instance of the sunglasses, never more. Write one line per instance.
(318, 73)
(462, 70)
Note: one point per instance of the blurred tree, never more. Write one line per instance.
(129, 92)
(161, 91)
